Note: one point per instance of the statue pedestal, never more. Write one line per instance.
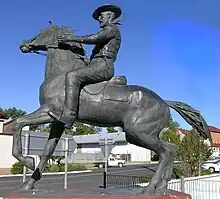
(113, 193)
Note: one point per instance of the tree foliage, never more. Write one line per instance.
(34, 127)
(83, 129)
(78, 129)
(172, 124)
(2, 113)
(192, 152)
(111, 130)
(11, 112)
(171, 133)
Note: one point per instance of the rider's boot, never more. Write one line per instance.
(68, 114)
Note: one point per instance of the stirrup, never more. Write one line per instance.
(53, 115)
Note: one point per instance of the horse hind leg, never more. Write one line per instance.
(39, 116)
(146, 131)
(168, 170)
(159, 181)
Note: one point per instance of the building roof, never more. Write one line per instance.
(211, 129)
(214, 129)
(94, 138)
(3, 120)
(215, 133)
(184, 131)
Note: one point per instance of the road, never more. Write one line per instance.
(84, 180)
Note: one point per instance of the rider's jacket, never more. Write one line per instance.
(107, 42)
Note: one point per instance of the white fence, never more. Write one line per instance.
(202, 187)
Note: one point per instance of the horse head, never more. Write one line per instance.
(47, 38)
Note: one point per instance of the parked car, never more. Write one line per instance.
(112, 162)
(212, 165)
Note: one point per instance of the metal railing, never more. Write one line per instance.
(125, 181)
(201, 187)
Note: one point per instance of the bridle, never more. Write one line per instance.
(39, 53)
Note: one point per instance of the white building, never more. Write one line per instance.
(88, 144)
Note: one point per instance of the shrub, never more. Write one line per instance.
(47, 168)
(17, 168)
(155, 157)
(54, 168)
(76, 167)
(146, 178)
(62, 167)
(206, 172)
(176, 173)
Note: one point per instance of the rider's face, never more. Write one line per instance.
(106, 18)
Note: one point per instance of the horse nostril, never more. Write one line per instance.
(24, 48)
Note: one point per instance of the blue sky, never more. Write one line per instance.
(171, 47)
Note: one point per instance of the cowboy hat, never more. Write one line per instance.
(104, 8)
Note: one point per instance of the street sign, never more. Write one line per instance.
(36, 141)
(106, 145)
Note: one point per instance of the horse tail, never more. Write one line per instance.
(192, 117)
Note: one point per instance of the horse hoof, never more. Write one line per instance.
(30, 163)
(148, 190)
(27, 186)
(162, 186)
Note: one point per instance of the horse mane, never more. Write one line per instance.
(75, 47)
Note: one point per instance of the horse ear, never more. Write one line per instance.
(52, 24)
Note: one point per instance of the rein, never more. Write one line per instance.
(39, 53)
(85, 59)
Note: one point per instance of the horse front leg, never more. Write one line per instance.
(40, 116)
(56, 132)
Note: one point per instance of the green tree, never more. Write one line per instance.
(171, 133)
(111, 130)
(172, 124)
(83, 129)
(78, 129)
(2, 113)
(11, 112)
(33, 127)
(68, 131)
(192, 152)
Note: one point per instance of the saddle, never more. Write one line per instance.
(97, 88)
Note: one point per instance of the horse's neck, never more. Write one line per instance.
(59, 62)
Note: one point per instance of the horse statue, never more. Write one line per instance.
(140, 112)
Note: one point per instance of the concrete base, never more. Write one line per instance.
(111, 193)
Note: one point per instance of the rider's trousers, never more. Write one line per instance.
(99, 69)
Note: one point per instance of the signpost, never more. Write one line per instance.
(34, 143)
(66, 161)
(106, 145)
(26, 153)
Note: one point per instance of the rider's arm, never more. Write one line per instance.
(104, 35)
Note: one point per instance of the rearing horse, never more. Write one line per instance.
(139, 111)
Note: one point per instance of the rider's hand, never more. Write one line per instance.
(62, 38)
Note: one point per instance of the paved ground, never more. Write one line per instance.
(86, 180)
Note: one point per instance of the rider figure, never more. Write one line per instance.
(101, 67)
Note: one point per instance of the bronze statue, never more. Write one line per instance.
(104, 100)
